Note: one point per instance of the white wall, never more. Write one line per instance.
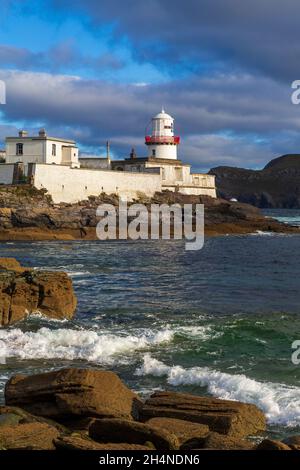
(6, 173)
(71, 185)
(33, 151)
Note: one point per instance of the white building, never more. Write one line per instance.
(41, 149)
(53, 164)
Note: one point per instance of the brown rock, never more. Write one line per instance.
(120, 430)
(74, 392)
(80, 443)
(13, 413)
(37, 436)
(24, 291)
(269, 444)
(220, 442)
(222, 416)
(10, 264)
(292, 441)
(184, 430)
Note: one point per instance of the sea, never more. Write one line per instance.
(218, 322)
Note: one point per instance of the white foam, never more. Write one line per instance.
(279, 402)
(73, 344)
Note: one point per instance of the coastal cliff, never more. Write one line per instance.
(275, 186)
(24, 291)
(29, 214)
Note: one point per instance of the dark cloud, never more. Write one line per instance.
(62, 56)
(225, 119)
(257, 35)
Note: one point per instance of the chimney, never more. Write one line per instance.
(132, 153)
(42, 133)
(108, 151)
(23, 133)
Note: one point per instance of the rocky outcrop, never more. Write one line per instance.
(31, 215)
(275, 186)
(33, 436)
(225, 417)
(83, 443)
(108, 414)
(24, 291)
(269, 444)
(73, 393)
(114, 430)
(185, 431)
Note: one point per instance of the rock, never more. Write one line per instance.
(292, 441)
(223, 416)
(220, 442)
(80, 443)
(34, 436)
(15, 414)
(269, 444)
(24, 291)
(9, 419)
(10, 264)
(118, 430)
(184, 430)
(73, 393)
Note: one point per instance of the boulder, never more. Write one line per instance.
(9, 419)
(24, 291)
(184, 430)
(13, 415)
(269, 444)
(80, 443)
(292, 441)
(71, 393)
(218, 441)
(223, 416)
(33, 436)
(118, 430)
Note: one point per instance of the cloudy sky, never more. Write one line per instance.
(96, 70)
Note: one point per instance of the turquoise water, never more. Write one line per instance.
(219, 321)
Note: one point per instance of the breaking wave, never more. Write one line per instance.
(73, 344)
(279, 402)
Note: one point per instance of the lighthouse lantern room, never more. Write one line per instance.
(162, 143)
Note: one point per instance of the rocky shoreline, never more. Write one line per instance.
(88, 409)
(29, 214)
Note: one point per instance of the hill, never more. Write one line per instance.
(277, 185)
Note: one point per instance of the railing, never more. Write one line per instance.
(152, 139)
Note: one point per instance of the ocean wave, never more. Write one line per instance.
(279, 402)
(73, 344)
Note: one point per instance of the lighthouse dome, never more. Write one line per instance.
(162, 115)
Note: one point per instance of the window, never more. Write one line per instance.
(19, 149)
(53, 150)
(153, 152)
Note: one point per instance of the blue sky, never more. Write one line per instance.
(94, 71)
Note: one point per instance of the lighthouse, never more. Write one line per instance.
(162, 143)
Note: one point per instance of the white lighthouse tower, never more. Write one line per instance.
(162, 143)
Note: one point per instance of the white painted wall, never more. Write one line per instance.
(71, 185)
(33, 151)
(6, 173)
(37, 150)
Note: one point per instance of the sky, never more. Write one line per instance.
(95, 70)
